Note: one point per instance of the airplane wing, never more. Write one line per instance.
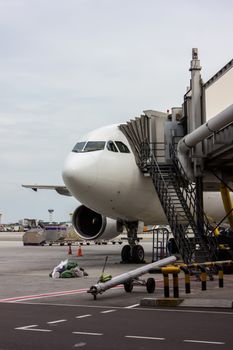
(63, 190)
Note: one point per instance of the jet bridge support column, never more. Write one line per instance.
(199, 205)
(227, 202)
(199, 217)
(195, 117)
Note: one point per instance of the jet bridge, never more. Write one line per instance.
(179, 178)
(210, 125)
(149, 127)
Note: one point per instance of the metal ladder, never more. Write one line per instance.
(178, 199)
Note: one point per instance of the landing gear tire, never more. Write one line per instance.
(126, 254)
(138, 254)
(150, 285)
(128, 286)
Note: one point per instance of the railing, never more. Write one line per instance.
(148, 159)
(201, 222)
(173, 185)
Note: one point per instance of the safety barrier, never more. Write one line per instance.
(216, 265)
(185, 269)
(188, 270)
(174, 270)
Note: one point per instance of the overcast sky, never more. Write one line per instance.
(70, 66)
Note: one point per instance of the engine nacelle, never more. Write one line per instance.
(91, 225)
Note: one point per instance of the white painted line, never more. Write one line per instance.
(87, 333)
(58, 321)
(31, 328)
(203, 342)
(141, 337)
(132, 306)
(26, 327)
(123, 308)
(83, 316)
(107, 311)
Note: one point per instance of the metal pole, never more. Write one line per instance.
(186, 279)
(214, 124)
(125, 277)
(191, 140)
(166, 285)
(195, 119)
(203, 277)
(220, 276)
(199, 205)
(175, 285)
(153, 250)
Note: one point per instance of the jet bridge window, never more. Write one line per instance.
(94, 146)
(79, 147)
(111, 146)
(122, 147)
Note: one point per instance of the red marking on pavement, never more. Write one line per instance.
(47, 295)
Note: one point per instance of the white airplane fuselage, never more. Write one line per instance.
(111, 183)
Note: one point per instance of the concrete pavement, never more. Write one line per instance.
(24, 275)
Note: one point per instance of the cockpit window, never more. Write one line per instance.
(94, 146)
(122, 147)
(111, 146)
(79, 147)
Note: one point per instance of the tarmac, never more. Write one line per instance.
(24, 278)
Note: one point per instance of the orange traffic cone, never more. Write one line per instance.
(69, 249)
(79, 251)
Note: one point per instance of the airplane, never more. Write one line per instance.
(101, 173)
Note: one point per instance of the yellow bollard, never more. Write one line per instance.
(174, 270)
(175, 285)
(186, 279)
(203, 277)
(166, 285)
(220, 276)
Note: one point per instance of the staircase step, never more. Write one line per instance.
(178, 203)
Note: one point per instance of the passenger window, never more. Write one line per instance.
(78, 147)
(94, 146)
(122, 147)
(111, 146)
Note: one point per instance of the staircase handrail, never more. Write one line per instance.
(208, 233)
(148, 154)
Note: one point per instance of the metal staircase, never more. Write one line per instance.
(178, 199)
(176, 193)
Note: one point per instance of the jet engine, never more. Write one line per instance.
(91, 225)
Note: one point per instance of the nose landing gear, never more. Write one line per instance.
(132, 252)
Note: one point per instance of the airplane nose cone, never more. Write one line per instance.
(79, 173)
